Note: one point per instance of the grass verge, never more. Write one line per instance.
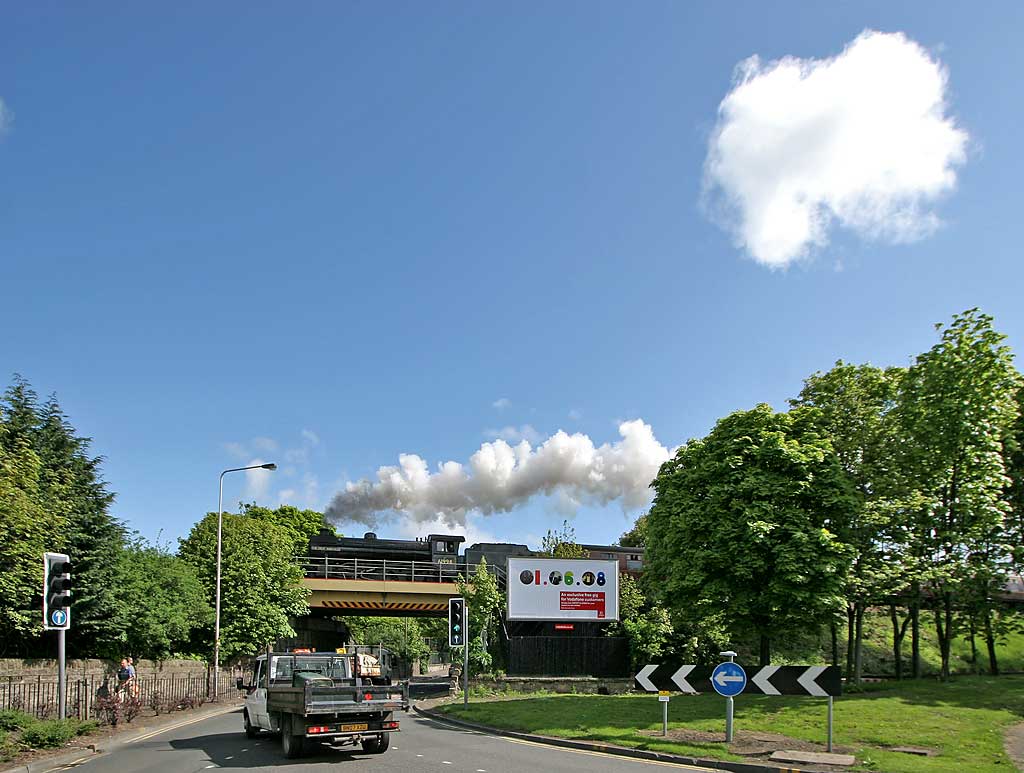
(962, 720)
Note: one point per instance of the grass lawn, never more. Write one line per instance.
(963, 720)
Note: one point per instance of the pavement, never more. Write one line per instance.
(1014, 743)
(217, 742)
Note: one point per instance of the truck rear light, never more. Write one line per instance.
(318, 729)
(389, 726)
(368, 696)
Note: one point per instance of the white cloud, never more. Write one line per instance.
(500, 477)
(311, 437)
(514, 434)
(575, 415)
(501, 403)
(237, 450)
(296, 456)
(265, 444)
(311, 490)
(256, 481)
(862, 139)
(286, 496)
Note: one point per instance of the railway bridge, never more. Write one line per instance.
(367, 586)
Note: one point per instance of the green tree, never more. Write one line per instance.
(71, 490)
(562, 543)
(162, 602)
(27, 530)
(957, 407)
(402, 635)
(646, 625)
(484, 601)
(300, 524)
(637, 536)
(1013, 454)
(94, 539)
(743, 520)
(854, 406)
(260, 587)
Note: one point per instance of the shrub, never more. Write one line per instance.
(8, 747)
(131, 708)
(109, 709)
(49, 733)
(12, 719)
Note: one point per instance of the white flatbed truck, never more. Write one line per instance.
(310, 697)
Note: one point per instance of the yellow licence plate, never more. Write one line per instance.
(353, 728)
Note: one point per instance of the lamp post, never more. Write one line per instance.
(220, 524)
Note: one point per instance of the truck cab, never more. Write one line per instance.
(309, 697)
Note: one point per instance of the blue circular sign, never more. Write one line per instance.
(59, 617)
(728, 679)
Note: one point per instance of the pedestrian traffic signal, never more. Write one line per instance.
(56, 591)
(456, 622)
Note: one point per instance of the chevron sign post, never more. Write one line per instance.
(814, 681)
(810, 681)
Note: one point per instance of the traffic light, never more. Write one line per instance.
(56, 591)
(456, 622)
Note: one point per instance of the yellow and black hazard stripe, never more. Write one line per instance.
(391, 606)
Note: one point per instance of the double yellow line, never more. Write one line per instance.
(147, 736)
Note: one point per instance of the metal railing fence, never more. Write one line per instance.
(85, 697)
(333, 568)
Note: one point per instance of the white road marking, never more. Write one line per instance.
(445, 762)
(180, 724)
(619, 757)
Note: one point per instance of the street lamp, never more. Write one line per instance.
(220, 523)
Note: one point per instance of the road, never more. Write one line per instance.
(423, 745)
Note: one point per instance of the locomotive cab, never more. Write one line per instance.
(444, 548)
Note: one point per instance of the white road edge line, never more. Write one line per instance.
(619, 757)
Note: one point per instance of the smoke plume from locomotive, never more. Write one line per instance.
(500, 477)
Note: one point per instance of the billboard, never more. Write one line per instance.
(563, 589)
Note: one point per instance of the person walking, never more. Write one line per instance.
(124, 676)
(133, 680)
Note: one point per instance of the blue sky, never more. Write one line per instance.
(329, 236)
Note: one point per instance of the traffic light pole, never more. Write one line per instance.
(465, 655)
(62, 690)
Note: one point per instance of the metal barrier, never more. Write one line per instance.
(85, 696)
(331, 568)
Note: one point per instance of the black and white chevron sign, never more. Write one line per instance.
(818, 681)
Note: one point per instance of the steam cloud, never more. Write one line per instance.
(862, 139)
(500, 477)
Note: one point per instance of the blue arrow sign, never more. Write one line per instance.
(59, 617)
(728, 679)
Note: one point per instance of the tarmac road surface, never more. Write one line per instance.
(218, 742)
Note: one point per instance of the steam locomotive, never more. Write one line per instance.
(436, 548)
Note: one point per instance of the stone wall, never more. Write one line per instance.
(557, 684)
(36, 669)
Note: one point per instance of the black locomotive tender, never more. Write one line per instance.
(434, 558)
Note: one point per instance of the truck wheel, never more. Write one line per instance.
(377, 745)
(250, 731)
(290, 744)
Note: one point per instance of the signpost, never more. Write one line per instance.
(730, 679)
(56, 614)
(663, 697)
